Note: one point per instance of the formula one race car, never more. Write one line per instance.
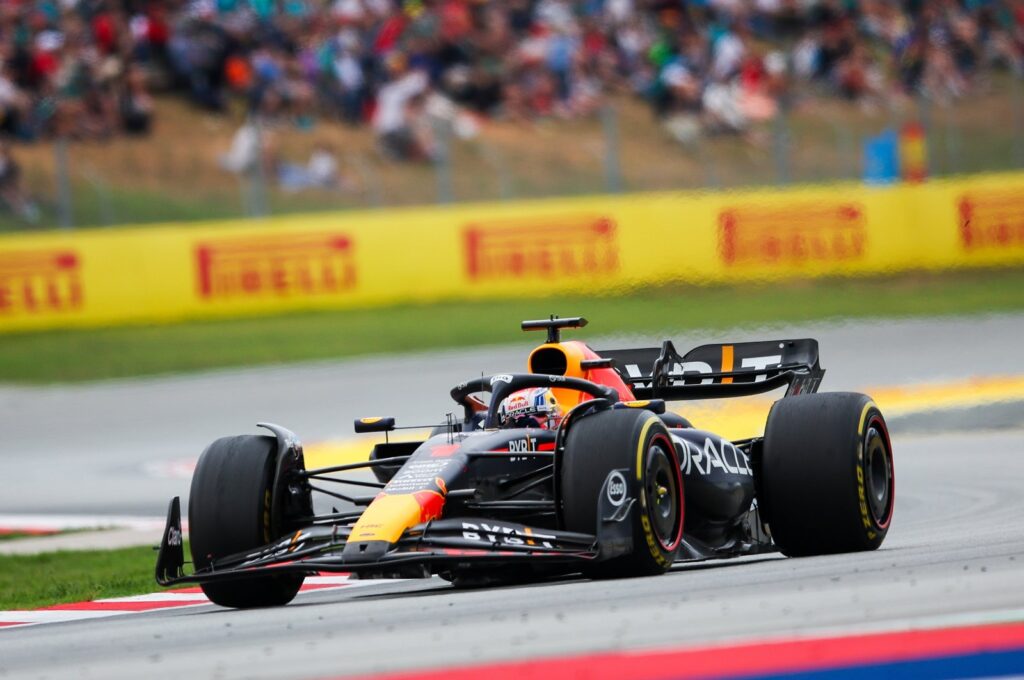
(575, 467)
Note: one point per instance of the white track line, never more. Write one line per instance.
(160, 597)
(50, 616)
(28, 523)
(339, 579)
(169, 599)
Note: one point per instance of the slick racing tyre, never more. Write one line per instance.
(827, 481)
(638, 444)
(229, 512)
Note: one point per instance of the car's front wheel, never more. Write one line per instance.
(637, 444)
(230, 512)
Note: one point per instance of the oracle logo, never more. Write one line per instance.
(40, 281)
(542, 248)
(793, 234)
(305, 265)
(991, 220)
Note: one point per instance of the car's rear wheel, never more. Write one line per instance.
(637, 443)
(827, 476)
(230, 512)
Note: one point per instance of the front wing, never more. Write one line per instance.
(463, 543)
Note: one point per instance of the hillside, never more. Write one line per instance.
(174, 173)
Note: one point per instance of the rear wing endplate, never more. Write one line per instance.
(719, 370)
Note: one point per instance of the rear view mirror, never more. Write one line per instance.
(376, 424)
(652, 405)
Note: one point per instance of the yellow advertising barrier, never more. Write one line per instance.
(358, 259)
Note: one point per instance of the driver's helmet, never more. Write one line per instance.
(532, 407)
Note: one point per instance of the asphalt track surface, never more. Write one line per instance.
(955, 554)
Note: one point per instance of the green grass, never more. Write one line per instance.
(16, 535)
(30, 581)
(46, 357)
(13, 535)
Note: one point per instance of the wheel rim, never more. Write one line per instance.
(878, 473)
(664, 507)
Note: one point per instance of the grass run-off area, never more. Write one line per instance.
(14, 535)
(31, 581)
(55, 356)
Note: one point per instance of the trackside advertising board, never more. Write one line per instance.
(605, 244)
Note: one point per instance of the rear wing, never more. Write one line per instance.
(719, 370)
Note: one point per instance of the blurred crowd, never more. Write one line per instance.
(71, 68)
(87, 68)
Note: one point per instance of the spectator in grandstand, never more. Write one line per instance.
(399, 120)
(15, 106)
(135, 104)
(198, 50)
(321, 171)
(12, 195)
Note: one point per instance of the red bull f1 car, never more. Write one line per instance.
(573, 467)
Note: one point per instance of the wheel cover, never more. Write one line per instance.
(662, 486)
(878, 472)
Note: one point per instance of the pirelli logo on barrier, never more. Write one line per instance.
(555, 247)
(261, 267)
(40, 282)
(827, 233)
(992, 221)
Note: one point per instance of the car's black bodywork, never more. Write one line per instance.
(475, 500)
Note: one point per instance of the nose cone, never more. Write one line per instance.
(386, 519)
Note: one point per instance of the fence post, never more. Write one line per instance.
(612, 166)
(782, 141)
(258, 192)
(494, 158)
(370, 178)
(924, 112)
(443, 160)
(848, 151)
(952, 142)
(707, 161)
(1017, 106)
(64, 199)
(102, 196)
